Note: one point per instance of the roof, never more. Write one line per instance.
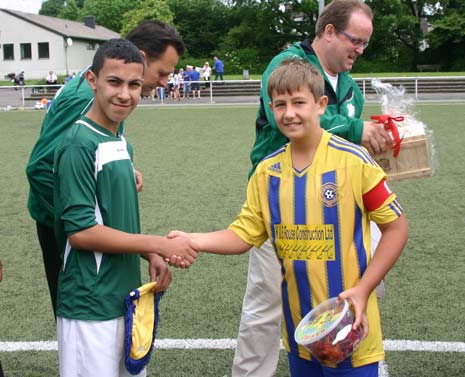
(65, 28)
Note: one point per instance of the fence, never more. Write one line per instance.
(447, 87)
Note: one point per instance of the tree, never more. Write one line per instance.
(397, 32)
(70, 11)
(264, 28)
(447, 37)
(107, 13)
(51, 8)
(202, 24)
(146, 10)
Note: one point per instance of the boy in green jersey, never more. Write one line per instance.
(161, 46)
(97, 220)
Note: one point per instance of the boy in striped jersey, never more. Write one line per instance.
(314, 199)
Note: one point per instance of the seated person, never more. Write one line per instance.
(51, 78)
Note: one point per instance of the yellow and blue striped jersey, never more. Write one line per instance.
(318, 220)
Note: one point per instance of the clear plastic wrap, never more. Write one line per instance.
(415, 153)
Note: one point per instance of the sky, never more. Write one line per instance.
(28, 6)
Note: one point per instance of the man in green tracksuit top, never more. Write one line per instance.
(342, 33)
(342, 116)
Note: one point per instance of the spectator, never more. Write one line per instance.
(186, 82)
(207, 72)
(170, 87)
(51, 78)
(177, 82)
(218, 68)
(195, 84)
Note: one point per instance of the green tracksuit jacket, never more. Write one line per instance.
(342, 116)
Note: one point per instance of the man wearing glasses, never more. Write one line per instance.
(343, 31)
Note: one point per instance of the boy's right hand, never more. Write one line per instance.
(179, 252)
(177, 234)
(359, 299)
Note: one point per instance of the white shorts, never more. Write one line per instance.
(92, 348)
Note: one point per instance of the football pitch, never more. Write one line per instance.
(195, 163)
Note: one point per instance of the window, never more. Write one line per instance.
(8, 52)
(25, 49)
(44, 52)
(91, 46)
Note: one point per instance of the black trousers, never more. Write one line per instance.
(52, 261)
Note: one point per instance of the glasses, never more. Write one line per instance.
(355, 41)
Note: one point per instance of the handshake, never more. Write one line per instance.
(182, 250)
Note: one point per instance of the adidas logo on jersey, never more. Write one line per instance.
(276, 168)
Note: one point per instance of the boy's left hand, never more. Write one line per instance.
(159, 272)
(139, 180)
(359, 299)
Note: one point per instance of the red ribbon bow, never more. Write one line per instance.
(389, 125)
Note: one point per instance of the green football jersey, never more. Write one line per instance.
(71, 102)
(94, 184)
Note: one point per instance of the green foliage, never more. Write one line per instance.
(146, 10)
(248, 33)
(201, 23)
(107, 12)
(448, 38)
(70, 11)
(255, 31)
(51, 8)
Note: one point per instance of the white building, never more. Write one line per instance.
(38, 44)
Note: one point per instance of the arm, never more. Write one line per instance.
(371, 135)
(158, 271)
(76, 203)
(109, 240)
(394, 236)
(224, 241)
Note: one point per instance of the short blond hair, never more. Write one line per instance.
(293, 74)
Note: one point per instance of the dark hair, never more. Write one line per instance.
(120, 49)
(153, 37)
(293, 74)
(338, 13)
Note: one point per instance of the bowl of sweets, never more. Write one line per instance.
(326, 331)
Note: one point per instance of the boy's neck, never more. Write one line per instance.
(102, 121)
(303, 150)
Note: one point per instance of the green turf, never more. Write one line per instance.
(195, 163)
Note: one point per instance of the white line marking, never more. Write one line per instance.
(225, 344)
(416, 345)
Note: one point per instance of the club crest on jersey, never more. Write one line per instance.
(350, 110)
(329, 195)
